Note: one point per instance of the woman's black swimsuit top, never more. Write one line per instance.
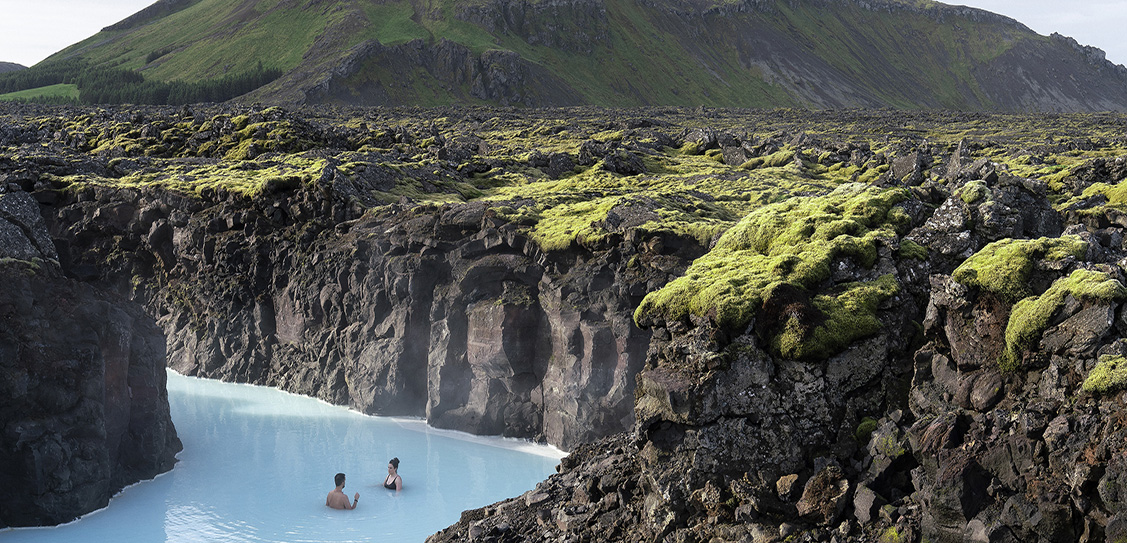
(391, 485)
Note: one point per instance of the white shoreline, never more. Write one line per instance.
(419, 424)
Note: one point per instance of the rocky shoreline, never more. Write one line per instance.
(747, 325)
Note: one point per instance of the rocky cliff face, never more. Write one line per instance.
(902, 338)
(373, 74)
(82, 383)
(448, 312)
(998, 419)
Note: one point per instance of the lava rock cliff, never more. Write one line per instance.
(907, 337)
(83, 403)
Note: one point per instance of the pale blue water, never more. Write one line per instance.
(257, 464)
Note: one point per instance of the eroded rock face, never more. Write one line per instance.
(747, 447)
(911, 432)
(987, 206)
(82, 384)
(985, 439)
(445, 312)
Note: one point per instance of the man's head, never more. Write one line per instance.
(340, 479)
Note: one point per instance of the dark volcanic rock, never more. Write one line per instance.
(498, 76)
(688, 431)
(985, 206)
(446, 312)
(82, 384)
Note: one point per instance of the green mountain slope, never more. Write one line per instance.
(749, 53)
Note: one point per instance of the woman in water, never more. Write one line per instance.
(393, 481)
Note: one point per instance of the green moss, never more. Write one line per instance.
(690, 148)
(716, 155)
(870, 175)
(865, 430)
(849, 316)
(1110, 375)
(792, 242)
(911, 249)
(609, 135)
(1003, 267)
(685, 195)
(563, 224)
(1031, 316)
(973, 192)
(891, 535)
(889, 445)
(1116, 195)
(247, 178)
(242, 151)
(777, 159)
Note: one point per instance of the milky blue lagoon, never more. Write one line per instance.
(257, 464)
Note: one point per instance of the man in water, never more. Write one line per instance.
(337, 499)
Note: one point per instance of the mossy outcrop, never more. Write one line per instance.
(1005, 268)
(765, 268)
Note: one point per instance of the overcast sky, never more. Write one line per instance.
(30, 30)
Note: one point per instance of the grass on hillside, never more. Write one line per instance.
(641, 56)
(955, 51)
(60, 91)
(210, 39)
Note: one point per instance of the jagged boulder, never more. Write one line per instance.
(990, 206)
(1035, 358)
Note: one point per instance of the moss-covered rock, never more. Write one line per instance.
(865, 430)
(973, 192)
(1110, 375)
(913, 250)
(1031, 316)
(1004, 267)
(791, 244)
(839, 319)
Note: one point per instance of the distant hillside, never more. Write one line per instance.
(6, 67)
(908, 54)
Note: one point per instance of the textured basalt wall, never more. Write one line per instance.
(83, 405)
(446, 312)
